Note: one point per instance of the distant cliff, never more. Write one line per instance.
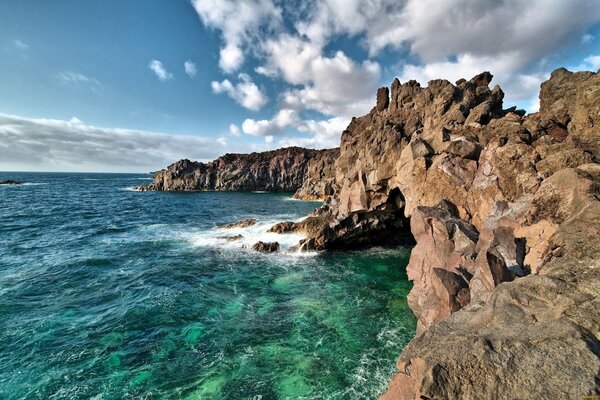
(287, 169)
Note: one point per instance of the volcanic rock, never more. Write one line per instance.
(266, 247)
(277, 170)
(240, 224)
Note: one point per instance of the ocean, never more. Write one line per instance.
(109, 293)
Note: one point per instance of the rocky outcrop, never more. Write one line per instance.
(239, 224)
(266, 247)
(319, 179)
(505, 212)
(286, 169)
(11, 182)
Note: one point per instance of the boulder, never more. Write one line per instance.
(266, 247)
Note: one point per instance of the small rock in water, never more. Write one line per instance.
(11, 182)
(240, 224)
(266, 247)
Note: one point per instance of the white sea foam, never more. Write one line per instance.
(217, 237)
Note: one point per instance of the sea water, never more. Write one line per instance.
(108, 293)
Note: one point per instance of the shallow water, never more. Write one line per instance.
(108, 293)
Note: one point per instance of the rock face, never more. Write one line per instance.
(278, 170)
(319, 179)
(505, 212)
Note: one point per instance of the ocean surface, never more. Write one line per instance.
(108, 293)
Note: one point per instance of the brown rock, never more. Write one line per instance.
(266, 247)
(240, 224)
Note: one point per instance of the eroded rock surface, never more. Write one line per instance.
(504, 209)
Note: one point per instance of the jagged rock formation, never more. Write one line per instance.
(319, 179)
(505, 211)
(277, 170)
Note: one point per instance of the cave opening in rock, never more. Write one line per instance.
(399, 230)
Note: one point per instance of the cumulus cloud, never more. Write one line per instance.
(244, 92)
(58, 145)
(516, 40)
(234, 130)
(159, 70)
(321, 133)
(283, 120)
(190, 68)
(334, 85)
(240, 23)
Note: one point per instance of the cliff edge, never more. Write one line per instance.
(505, 212)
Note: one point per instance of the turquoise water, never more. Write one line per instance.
(107, 293)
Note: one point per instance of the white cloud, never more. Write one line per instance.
(590, 63)
(284, 119)
(160, 71)
(245, 92)
(240, 22)
(324, 133)
(19, 44)
(234, 130)
(587, 38)
(57, 145)
(190, 68)
(334, 85)
(517, 40)
(70, 77)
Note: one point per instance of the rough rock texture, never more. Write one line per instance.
(239, 224)
(505, 212)
(266, 247)
(278, 170)
(319, 179)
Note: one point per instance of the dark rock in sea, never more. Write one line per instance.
(11, 182)
(266, 247)
(284, 227)
(240, 224)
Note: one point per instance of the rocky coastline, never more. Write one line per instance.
(292, 169)
(504, 211)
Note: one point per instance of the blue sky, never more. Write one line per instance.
(103, 85)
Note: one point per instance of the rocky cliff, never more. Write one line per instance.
(505, 212)
(287, 169)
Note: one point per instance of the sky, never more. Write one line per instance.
(132, 86)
